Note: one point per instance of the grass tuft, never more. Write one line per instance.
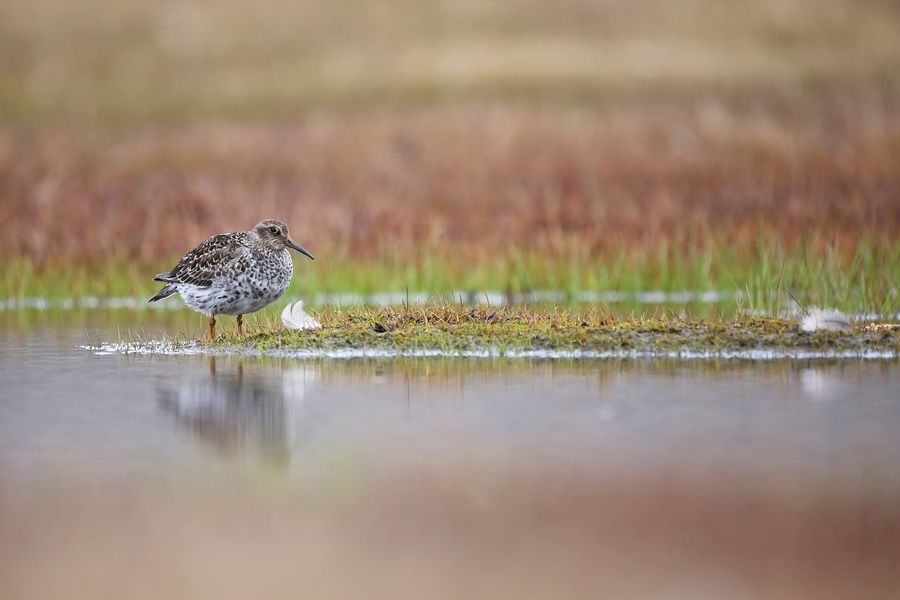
(451, 327)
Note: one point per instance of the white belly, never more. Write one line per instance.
(235, 298)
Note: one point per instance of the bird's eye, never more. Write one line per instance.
(273, 230)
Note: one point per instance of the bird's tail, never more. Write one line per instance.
(165, 277)
(167, 291)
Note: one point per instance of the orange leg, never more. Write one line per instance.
(241, 325)
(212, 328)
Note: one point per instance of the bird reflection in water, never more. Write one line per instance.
(242, 411)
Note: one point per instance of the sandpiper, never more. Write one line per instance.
(234, 273)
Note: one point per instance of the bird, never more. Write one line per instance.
(234, 273)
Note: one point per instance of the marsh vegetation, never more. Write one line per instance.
(451, 146)
(454, 329)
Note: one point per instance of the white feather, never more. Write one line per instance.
(825, 319)
(294, 317)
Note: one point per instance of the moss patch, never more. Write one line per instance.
(452, 328)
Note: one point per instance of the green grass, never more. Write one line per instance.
(862, 279)
(452, 328)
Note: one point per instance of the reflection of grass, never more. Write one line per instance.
(861, 279)
(449, 371)
(452, 328)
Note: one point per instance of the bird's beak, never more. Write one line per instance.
(292, 244)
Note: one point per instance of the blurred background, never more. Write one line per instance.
(703, 156)
(437, 146)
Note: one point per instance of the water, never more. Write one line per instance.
(666, 299)
(148, 476)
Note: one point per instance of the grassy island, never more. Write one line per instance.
(453, 329)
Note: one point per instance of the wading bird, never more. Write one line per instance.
(234, 273)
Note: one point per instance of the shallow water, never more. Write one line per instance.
(149, 476)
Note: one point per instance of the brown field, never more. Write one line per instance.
(131, 130)
(451, 180)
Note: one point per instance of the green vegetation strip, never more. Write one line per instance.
(453, 328)
(853, 279)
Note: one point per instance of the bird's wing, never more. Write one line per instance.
(201, 265)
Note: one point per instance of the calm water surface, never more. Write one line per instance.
(137, 476)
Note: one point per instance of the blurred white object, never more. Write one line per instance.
(294, 317)
(825, 319)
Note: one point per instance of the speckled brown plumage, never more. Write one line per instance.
(234, 273)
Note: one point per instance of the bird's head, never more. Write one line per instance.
(275, 235)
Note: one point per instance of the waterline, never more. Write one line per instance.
(492, 298)
(345, 300)
(168, 348)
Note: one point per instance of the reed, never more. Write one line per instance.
(860, 279)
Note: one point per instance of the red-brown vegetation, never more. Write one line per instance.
(451, 181)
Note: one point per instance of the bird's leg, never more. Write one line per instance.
(212, 328)
(240, 320)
